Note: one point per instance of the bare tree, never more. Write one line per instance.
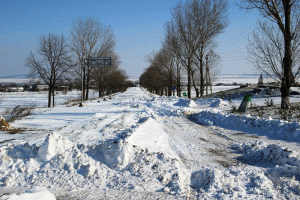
(116, 80)
(209, 19)
(52, 61)
(90, 39)
(100, 74)
(266, 50)
(178, 76)
(193, 28)
(281, 13)
(154, 79)
(180, 42)
(164, 61)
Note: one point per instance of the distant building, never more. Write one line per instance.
(14, 89)
(42, 87)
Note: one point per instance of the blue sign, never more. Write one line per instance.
(173, 88)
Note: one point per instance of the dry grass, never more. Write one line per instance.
(18, 112)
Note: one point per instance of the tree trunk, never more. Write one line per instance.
(53, 103)
(178, 82)
(201, 77)
(83, 85)
(49, 97)
(189, 80)
(287, 60)
(170, 86)
(100, 92)
(196, 89)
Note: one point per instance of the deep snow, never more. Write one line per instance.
(138, 145)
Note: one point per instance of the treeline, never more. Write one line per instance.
(188, 57)
(59, 61)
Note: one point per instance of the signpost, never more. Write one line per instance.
(185, 94)
(173, 89)
(243, 107)
(94, 62)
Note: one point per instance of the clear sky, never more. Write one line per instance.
(137, 24)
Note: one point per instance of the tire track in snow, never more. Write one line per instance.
(198, 146)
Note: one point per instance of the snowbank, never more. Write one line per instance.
(267, 169)
(218, 103)
(185, 103)
(116, 164)
(275, 129)
(272, 154)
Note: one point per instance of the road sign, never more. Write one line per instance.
(173, 88)
(184, 94)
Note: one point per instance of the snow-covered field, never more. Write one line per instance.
(142, 146)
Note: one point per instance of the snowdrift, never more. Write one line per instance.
(276, 129)
(185, 103)
(117, 164)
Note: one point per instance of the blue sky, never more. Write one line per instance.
(137, 24)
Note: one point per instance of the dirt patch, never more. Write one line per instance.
(205, 140)
(228, 163)
(218, 152)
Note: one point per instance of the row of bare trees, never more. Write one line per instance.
(274, 47)
(57, 60)
(189, 47)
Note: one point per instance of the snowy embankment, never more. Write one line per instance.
(138, 146)
(275, 129)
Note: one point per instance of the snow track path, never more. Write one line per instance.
(142, 146)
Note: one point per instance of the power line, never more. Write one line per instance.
(224, 45)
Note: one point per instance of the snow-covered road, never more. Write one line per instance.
(137, 146)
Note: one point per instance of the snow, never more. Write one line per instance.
(137, 145)
(40, 193)
(276, 129)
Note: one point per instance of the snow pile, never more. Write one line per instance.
(116, 164)
(57, 163)
(273, 128)
(218, 103)
(151, 171)
(274, 154)
(115, 155)
(232, 183)
(155, 106)
(53, 145)
(278, 161)
(39, 193)
(158, 142)
(185, 103)
(206, 179)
